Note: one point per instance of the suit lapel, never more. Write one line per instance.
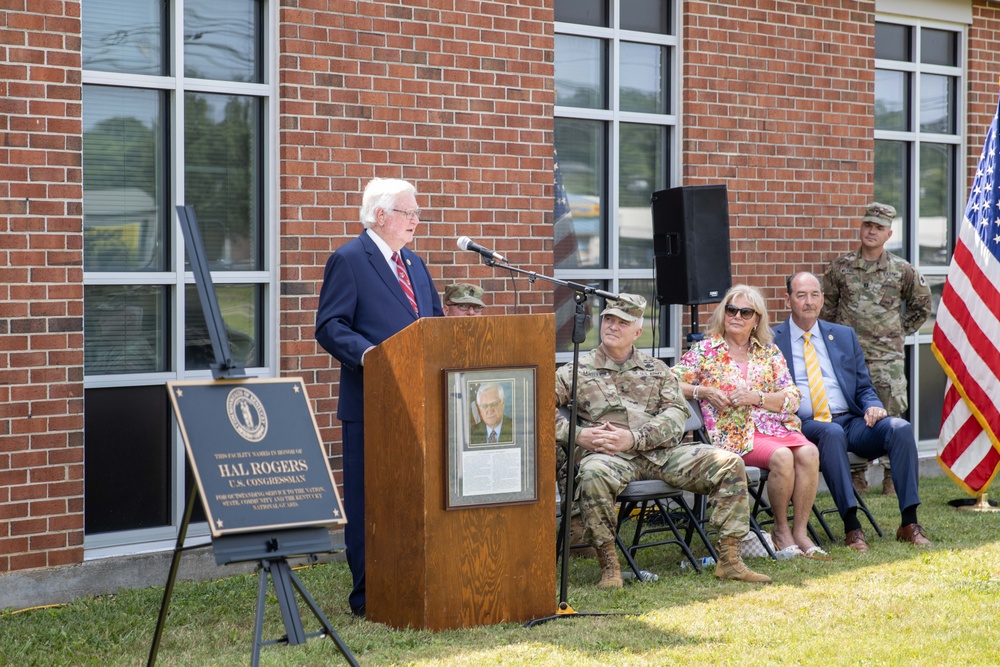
(783, 339)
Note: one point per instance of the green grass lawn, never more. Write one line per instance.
(897, 605)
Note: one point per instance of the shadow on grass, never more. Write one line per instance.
(212, 622)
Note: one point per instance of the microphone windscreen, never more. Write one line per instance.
(463, 242)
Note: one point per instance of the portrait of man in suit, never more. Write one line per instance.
(494, 425)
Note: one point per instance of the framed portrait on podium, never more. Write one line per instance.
(491, 440)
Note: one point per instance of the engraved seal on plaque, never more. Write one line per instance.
(246, 414)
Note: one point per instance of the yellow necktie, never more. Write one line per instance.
(817, 391)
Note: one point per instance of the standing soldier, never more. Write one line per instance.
(884, 299)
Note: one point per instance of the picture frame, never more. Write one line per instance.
(490, 436)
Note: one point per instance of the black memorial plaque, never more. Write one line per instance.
(256, 454)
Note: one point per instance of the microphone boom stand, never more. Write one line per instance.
(581, 292)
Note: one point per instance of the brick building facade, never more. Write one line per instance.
(775, 99)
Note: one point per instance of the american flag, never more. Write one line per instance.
(967, 335)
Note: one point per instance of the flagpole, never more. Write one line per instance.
(982, 503)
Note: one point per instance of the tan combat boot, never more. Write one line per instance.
(888, 488)
(576, 537)
(731, 565)
(611, 571)
(859, 477)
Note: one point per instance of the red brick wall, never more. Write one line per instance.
(455, 97)
(41, 286)
(983, 82)
(778, 105)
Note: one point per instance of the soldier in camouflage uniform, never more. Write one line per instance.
(884, 299)
(632, 417)
(462, 300)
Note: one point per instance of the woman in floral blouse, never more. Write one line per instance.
(748, 400)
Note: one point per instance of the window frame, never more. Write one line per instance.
(174, 277)
(668, 319)
(914, 139)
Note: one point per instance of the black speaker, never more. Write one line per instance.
(691, 244)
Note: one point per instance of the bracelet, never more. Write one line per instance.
(694, 394)
(761, 394)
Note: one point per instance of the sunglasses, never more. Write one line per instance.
(745, 313)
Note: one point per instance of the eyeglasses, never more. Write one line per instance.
(411, 214)
(745, 313)
(491, 406)
(466, 307)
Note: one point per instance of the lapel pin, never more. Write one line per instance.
(408, 262)
(829, 336)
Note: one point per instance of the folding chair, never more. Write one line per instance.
(650, 503)
(855, 462)
(756, 479)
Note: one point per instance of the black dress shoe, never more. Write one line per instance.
(358, 611)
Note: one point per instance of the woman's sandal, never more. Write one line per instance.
(815, 553)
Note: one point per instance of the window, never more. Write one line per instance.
(615, 126)
(175, 111)
(918, 158)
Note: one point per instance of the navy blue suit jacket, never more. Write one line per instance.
(360, 305)
(848, 363)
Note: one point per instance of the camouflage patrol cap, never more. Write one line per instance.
(628, 307)
(880, 214)
(464, 293)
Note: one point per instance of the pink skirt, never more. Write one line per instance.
(765, 445)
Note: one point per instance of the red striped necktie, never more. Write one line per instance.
(404, 281)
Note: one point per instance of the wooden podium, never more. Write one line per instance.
(433, 567)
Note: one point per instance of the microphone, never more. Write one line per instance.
(465, 243)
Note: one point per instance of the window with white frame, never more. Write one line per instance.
(615, 139)
(176, 97)
(919, 139)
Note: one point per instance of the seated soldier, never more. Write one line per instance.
(632, 415)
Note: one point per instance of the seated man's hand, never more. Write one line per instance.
(873, 415)
(606, 439)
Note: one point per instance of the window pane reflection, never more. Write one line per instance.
(936, 283)
(937, 103)
(643, 74)
(580, 158)
(641, 170)
(221, 40)
(646, 16)
(937, 166)
(930, 395)
(123, 155)
(125, 37)
(565, 309)
(127, 458)
(587, 12)
(891, 177)
(647, 289)
(939, 47)
(579, 68)
(222, 177)
(891, 96)
(892, 42)
(242, 312)
(123, 329)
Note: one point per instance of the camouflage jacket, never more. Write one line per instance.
(883, 301)
(640, 394)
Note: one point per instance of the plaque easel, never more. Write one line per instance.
(263, 504)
